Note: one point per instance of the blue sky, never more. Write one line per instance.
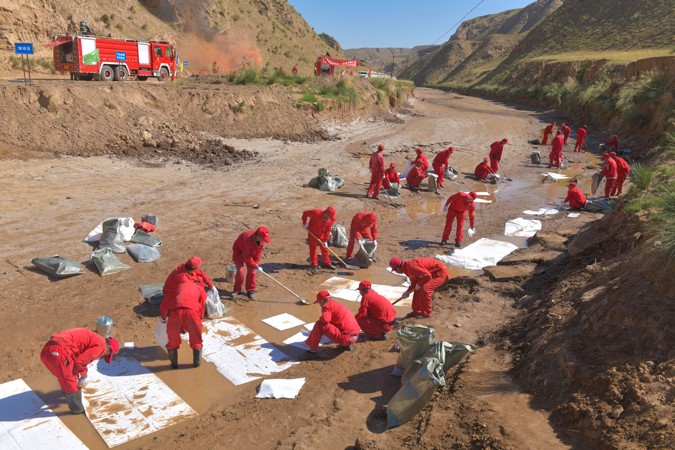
(394, 23)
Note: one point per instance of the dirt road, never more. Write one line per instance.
(50, 205)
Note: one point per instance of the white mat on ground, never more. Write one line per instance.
(573, 215)
(280, 388)
(283, 321)
(345, 289)
(522, 227)
(126, 228)
(484, 252)
(27, 423)
(125, 401)
(542, 212)
(555, 176)
(479, 193)
(240, 354)
(482, 200)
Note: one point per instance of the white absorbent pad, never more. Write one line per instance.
(522, 227)
(280, 388)
(126, 229)
(555, 176)
(542, 212)
(283, 321)
(124, 401)
(27, 423)
(573, 215)
(482, 253)
(346, 289)
(238, 353)
(482, 200)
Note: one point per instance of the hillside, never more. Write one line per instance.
(389, 60)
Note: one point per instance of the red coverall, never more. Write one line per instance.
(375, 315)
(457, 208)
(68, 353)
(482, 171)
(496, 149)
(184, 312)
(610, 173)
(613, 143)
(581, 138)
(422, 161)
(364, 225)
(415, 177)
(246, 251)
(441, 163)
(428, 273)
(376, 165)
(337, 322)
(548, 130)
(576, 198)
(391, 176)
(622, 172)
(180, 275)
(556, 155)
(566, 132)
(321, 230)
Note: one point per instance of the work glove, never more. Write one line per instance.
(405, 295)
(471, 232)
(304, 226)
(418, 287)
(82, 381)
(445, 208)
(259, 269)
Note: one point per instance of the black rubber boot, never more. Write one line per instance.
(173, 358)
(75, 402)
(196, 357)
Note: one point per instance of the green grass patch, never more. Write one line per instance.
(641, 176)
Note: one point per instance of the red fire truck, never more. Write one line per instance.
(325, 65)
(89, 57)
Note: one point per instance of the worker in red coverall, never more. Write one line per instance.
(483, 172)
(613, 143)
(556, 155)
(566, 131)
(622, 172)
(295, 69)
(456, 207)
(336, 322)
(188, 271)
(67, 355)
(184, 312)
(421, 160)
(610, 172)
(376, 165)
(391, 176)
(426, 275)
(364, 226)
(247, 251)
(575, 197)
(319, 222)
(496, 149)
(415, 176)
(376, 314)
(440, 164)
(581, 138)
(547, 131)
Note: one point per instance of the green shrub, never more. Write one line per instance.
(309, 98)
(666, 227)
(642, 176)
(320, 106)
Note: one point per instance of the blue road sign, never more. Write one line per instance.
(121, 56)
(185, 63)
(23, 48)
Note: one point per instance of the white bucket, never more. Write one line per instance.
(230, 272)
(104, 326)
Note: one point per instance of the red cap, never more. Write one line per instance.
(380, 147)
(322, 295)
(193, 263)
(473, 195)
(114, 348)
(572, 184)
(419, 150)
(612, 154)
(392, 165)
(330, 212)
(395, 263)
(605, 155)
(485, 160)
(365, 284)
(559, 132)
(452, 149)
(264, 234)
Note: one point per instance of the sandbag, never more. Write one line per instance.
(595, 182)
(58, 266)
(331, 184)
(365, 256)
(150, 218)
(141, 237)
(152, 293)
(214, 307)
(111, 236)
(415, 341)
(600, 205)
(161, 338)
(106, 262)
(451, 174)
(432, 182)
(416, 392)
(338, 236)
(126, 228)
(143, 253)
(535, 157)
(394, 190)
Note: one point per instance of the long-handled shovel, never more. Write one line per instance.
(396, 301)
(346, 266)
(303, 300)
(396, 205)
(504, 173)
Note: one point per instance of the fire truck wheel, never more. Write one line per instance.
(121, 73)
(107, 73)
(163, 74)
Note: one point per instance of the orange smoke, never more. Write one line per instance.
(229, 53)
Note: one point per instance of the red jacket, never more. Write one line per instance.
(557, 144)
(340, 316)
(482, 171)
(82, 346)
(457, 204)
(363, 221)
(377, 307)
(575, 198)
(496, 149)
(247, 248)
(566, 130)
(622, 167)
(180, 275)
(424, 162)
(442, 158)
(376, 163)
(188, 295)
(415, 176)
(392, 175)
(609, 171)
(421, 270)
(316, 224)
(549, 129)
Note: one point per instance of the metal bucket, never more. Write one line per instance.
(104, 326)
(230, 272)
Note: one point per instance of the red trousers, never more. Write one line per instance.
(375, 184)
(618, 185)
(365, 234)
(239, 276)
(609, 186)
(555, 159)
(494, 165)
(333, 333)
(373, 327)
(578, 145)
(421, 302)
(184, 319)
(448, 226)
(438, 170)
(61, 366)
(313, 243)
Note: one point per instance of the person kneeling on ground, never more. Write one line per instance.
(426, 275)
(392, 182)
(184, 312)
(416, 176)
(337, 322)
(575, 197)
(484, 173)
(376, 314)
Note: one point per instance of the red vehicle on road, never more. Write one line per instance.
(89, 57)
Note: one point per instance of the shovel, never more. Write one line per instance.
(304, 301)
(256, 206)
(396, 205)
(346, 266)
(396, 301)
